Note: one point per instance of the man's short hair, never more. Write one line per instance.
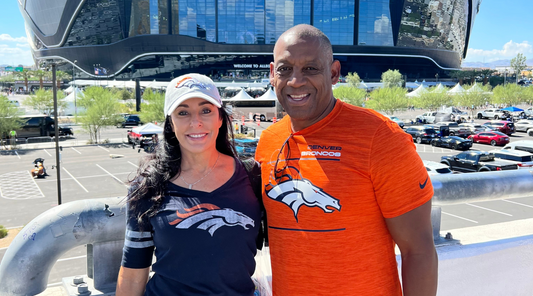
(308, 31)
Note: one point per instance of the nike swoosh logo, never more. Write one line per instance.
(422, 186)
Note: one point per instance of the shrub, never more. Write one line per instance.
(3, 231)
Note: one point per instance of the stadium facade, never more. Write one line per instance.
(162, 39)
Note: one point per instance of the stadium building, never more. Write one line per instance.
(162, 39)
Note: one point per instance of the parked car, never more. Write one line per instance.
(525, 145)
(523, 125)
(490, 113)
(529, 111)
(452, 142)
(523, 159)
(476, 161)
(428, 117)
(454, 129)
(397, 120)
(435, 168)
(64, 130)
(130, 120)
(505, 127)
(493, 138)
(475, 128)
(421, 134)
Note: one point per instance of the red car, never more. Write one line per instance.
(493, 138)
(505, 127)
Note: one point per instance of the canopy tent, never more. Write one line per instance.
(148, 129)
(242, 95)
(69, 89)
(76, 94)
(475, 88)
(457, 89)
(158, 84)
(268, 95)
(512, 109)
(417, 92)
(439, 88)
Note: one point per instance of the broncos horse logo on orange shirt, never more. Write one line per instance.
(210, 217)
(301, 192)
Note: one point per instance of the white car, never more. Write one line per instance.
(490, 114)
(524, 125)
(529, 111)
(525, 145)
(428, 117)
(475, 128)
(523, 159)
(436, 168)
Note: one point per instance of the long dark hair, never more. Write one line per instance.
(156, 169)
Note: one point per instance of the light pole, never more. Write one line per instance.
(437, 77)
(504, 77)
(75, 87)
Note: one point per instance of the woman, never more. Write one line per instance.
(193, 203)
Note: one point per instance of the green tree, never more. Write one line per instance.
(9, 118)
(40, 74)
(518, 63)
(25, 74)
(152, 108)
(388, 99)
(432, 100)
(101, 110)
(60, 76)
(351, 95)
(43, 101)
(474, 100)
(353, 79)
(510, 94)
(391, 78)
(459, 75)
(486, 73)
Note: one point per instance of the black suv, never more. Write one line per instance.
(130, 120)
(422, 134)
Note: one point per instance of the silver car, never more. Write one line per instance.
(524, 125)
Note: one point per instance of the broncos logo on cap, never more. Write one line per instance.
(210, 217)
(301, 192)
(190, 83)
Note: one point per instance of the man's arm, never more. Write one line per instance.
(413, 234)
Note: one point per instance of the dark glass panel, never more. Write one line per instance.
(375, 26)
(46, 14)
(98, 22)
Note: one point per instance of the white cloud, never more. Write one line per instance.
(25, 45)
(15, 55)
(509, 51)
(7, 37)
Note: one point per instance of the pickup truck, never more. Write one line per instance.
(476, 161)
(454, 128)
(136, 139)
(490, 114)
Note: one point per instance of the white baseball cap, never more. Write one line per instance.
(190, 86)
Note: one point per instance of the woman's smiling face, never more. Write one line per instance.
(196, 123)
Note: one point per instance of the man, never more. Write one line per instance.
(342, 184)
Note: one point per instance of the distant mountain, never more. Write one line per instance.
(493, 64)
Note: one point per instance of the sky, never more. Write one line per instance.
(501, 31)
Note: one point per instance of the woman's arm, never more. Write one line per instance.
(132, 281)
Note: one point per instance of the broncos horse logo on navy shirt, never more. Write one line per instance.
(301, 192)
(209, 217)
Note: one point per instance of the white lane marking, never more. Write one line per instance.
(1, 249)
(36, 184)
(54, 284)
(103, 148)
(47, 152)
(17, 154)
(459, 217)
(133, 164)
(517, 203)
(75, 180)
(491, 210)
(111, 175)
(75, 150)
(71, 258)
(14, 227)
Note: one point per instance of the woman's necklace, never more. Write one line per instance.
(209, 172)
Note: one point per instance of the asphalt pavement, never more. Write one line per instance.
(95, 171)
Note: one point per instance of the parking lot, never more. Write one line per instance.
(96, 171)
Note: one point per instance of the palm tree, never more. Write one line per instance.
(40, 73)
(460, 75)
(60, 76)
(486, 74)
(25, 74)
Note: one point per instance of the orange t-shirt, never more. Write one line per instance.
(326, 206)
